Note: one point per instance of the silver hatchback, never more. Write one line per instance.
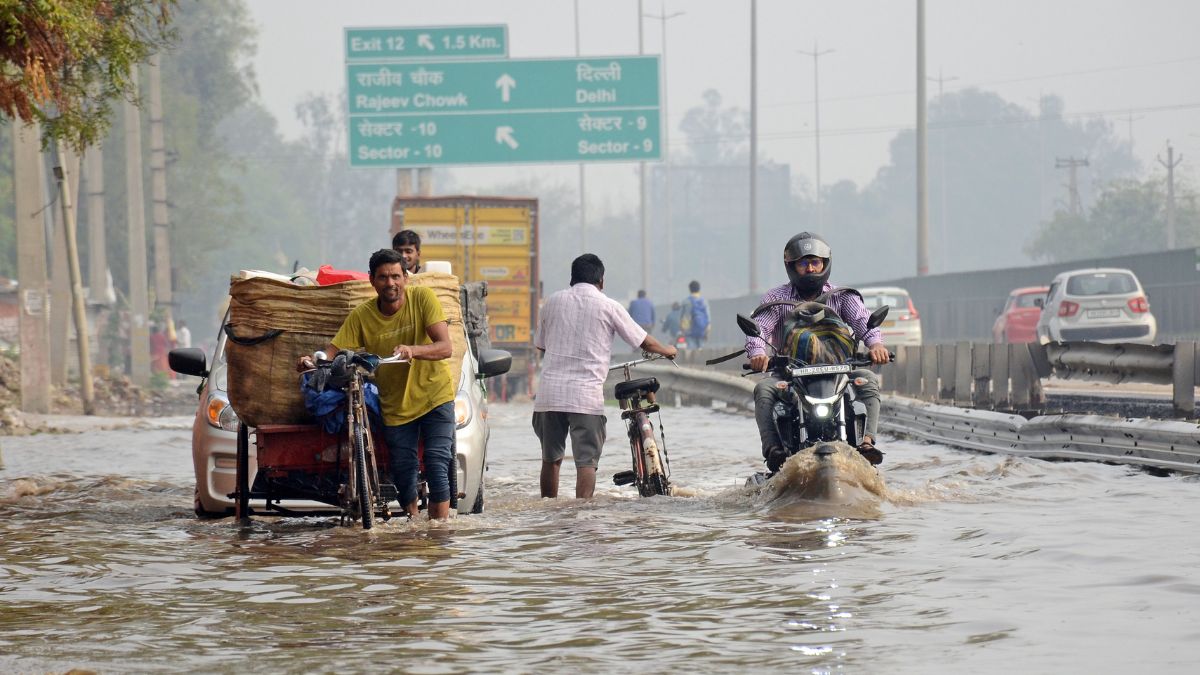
(1096, 305)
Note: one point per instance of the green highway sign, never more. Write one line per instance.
(507, 85)
(504, 111)
(504, 138)
(431, 42)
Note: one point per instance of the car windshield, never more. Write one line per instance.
(877, 300)
(1028, 299)
(1101, 283)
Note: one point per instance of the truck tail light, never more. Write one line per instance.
(1139, 305)
(911, 314)
(1068, 308)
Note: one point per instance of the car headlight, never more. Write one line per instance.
(463, 411)
(220, 414)
(821, 410)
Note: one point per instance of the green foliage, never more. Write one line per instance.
(63, 61)
(1128, 217)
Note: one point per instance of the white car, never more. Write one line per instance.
(903, 324)
(214, 430)
(1104, 304)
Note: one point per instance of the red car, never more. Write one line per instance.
(1018, 320)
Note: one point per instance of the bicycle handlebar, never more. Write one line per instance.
(646, 358)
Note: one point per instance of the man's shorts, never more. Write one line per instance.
(587, 436)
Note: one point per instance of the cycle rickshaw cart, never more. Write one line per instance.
(299, 468)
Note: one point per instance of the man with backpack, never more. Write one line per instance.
(808, 259)
(694, 320)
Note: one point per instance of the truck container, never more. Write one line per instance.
(492, 239)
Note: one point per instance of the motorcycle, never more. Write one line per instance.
(816, 405)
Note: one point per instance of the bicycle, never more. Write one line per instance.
(362, 495)
(651, 469)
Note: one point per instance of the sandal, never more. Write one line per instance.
(872, 454)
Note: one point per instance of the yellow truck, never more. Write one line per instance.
(492, 239)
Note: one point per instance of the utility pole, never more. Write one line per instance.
(33, 301)
(753, 146)
(816, 57)
(163, 295)
(61, 172)
(1130, 119)
(1072, 165)
(60, 286)
(582, 185)
(139, 310)
(642, 175)
(663, 17)
(1170, 164)
(945, 226)
(922, 154)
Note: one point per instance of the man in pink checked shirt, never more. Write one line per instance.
(575, 334)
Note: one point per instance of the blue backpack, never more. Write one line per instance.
(699, 317)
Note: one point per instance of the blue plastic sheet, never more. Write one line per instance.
(329, 406)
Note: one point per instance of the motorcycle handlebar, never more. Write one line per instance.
(785, 362)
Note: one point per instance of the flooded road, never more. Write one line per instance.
(971, 562)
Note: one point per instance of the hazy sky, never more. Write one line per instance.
(1115, 58)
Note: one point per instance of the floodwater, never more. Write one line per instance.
(968, 563)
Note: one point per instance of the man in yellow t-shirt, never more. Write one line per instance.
(417, 397)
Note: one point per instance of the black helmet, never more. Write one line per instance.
(807, 243)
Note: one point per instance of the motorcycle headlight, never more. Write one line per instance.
(220, 414)
(463, 411)
(821, 410)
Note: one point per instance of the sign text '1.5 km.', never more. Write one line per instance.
(499, 86)
(431, 42)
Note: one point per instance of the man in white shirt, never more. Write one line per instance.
(575, 334)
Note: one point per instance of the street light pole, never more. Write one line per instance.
(816, 57)
(922, 154)
(642, 176)
(582, 191)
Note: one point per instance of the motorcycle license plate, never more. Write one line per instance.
(820, 370)
(1103, 313)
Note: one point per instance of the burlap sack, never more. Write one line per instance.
(445, 286)
(272, 323)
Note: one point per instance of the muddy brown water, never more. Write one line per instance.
(969, 562)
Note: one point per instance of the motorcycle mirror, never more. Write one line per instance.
(877, 317)
(748, 326)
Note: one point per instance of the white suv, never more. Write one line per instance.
(214, 430)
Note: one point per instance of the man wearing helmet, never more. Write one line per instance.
(808, 261)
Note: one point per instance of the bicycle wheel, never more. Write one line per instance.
(654, 479)
(366, 498)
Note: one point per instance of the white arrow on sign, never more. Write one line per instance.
(504, 135)
(424, 41)
(505, 84)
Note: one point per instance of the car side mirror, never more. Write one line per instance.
(877, 317)
(493, 362)
(1039, 302)
(188, 361)
(748, 326)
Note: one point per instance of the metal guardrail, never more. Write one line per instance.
(1158, 444)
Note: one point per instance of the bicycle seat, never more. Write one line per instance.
(643, 386)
